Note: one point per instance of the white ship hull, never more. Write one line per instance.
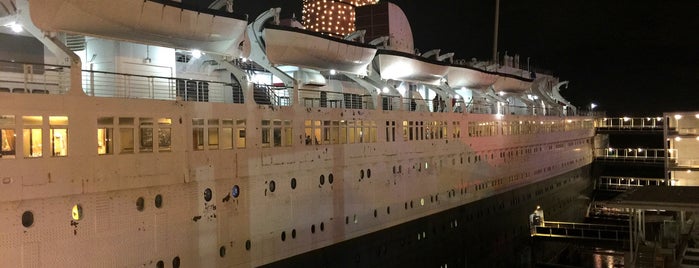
(184, 161)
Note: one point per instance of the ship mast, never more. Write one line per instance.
(495, 34)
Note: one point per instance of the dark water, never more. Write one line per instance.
(493, 232)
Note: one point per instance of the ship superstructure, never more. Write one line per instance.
(124, 146)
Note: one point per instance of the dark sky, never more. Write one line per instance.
(629, 57)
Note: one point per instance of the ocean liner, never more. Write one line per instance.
(151, 134)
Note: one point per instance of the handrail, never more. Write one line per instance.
(629, 123)
(635, 154)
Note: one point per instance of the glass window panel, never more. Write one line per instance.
(213, 138)
(32, 142)
(126, 140)
(226, 138)
(59, 141)
(126, 121)
(164, 139)
(198, 138)
(104, 141)
(58, 120)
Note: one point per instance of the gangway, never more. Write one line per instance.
(585, 231)
(649, 125)
(620, 184)
(636, 155)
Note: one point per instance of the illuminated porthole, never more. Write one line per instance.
(176, 262)
(331, 178)
(222, 251)
(27, 219)
(235, 192)
(272, 186)
(207, 194)
(158, 201)
(77, 212)
(140, 204)
(293, 183)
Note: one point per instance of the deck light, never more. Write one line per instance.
(15, 27)
(678, 139)
(678, 116)
(333, 72)
(196, 53)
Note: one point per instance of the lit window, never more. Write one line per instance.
(58, 133)
(198, 134)
(77, 212)
(213, 134)
(240, 129)
(105, 135)
(126, 135)
(226, 134)
(277, 133)
(145, 143)
(265, 133)
(32, 136)
(288, 133)
(164, 134)
(7, 136)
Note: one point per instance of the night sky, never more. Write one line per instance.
(629, 57)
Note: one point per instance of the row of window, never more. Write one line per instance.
(339, 131)
(493, 128)
(33, 136)
(141, 134)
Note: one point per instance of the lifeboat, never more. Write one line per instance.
(408, 67)
(294, 46)
(162, 23)
(512, 83)
(471, 78)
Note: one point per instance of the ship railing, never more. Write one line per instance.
(683, 131)
(630, 123)
(122, 85)
(312, 98)
(25, 77)
(271, 95)
(636, 154)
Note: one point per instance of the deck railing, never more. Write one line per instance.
(630, 123)
(23, 77)
(635, 154)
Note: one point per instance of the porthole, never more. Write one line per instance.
(222, 251)
(422, 201)
(207, 194)
(375, 213)
(235, 192)
(77, 212)
(176, 262)
(361, 174)
(400, 168)
(248, 245)
(158, 201)
(293, 234)
(322, 179)
(313, 228)
(293, 183)
(139, 204)
(388, 210)
(355, 219)
(394, 169)
(322, 226)
(331, 178)
(283, 236)
(406, 205)
(368, 173)
(27, 219)
(160, 264)
(272, 186)
(411, 203)
(346, 219)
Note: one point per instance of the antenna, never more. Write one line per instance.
(495, 35)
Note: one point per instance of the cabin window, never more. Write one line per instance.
(58, 133)
(198, 134)
(264, 133)
(213, 134)
(308, 132)
(457, 129)
(240, 130)
(277, 133)
(390, 131)
(343, 131)
(443, 134)
(77, 212)
(288, 133)
(372, 131)
(7, 136)
(317, 139)
(335, 132)
(145, 141)
(164, 134)
(126, 135)
(226, 141)
(191, 90)
(105, 135)
(32, 136)
(351, 132)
